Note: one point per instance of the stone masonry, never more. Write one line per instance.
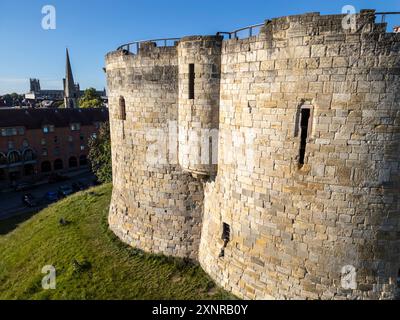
(306, 179)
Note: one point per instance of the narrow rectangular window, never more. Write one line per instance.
(226, 232)
(191, 80)
(304, 127)
(226, 237)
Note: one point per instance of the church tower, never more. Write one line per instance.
(71, 91)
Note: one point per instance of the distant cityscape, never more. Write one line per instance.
(37, 97)
(44, 132)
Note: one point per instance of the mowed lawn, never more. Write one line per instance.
(90, 262)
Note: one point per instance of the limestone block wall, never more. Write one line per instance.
(293, 228)
(308, 157)
(155, 206)
(199, 113)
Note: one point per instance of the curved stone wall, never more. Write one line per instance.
(155, 206)
(305, 203)
(328, 229)
(199, 114)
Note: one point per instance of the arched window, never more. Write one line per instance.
(83, 160)
(46, 166)
(14, 157)
(73, 162)
(122, 108)
(58, 164)
(28, 155)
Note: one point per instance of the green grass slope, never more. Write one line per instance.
(91, 263)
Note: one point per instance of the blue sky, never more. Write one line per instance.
(91, 28)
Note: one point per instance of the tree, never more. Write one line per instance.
(59, 104)
(90, 99)
(100, 153)
(13, 99)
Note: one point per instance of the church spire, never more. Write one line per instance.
(70, 89)
(69, 78)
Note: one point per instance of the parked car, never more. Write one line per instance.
(51, 196)
(22, 186)
(78, 186)
(29, 200)
(56, 177)
(65, 191)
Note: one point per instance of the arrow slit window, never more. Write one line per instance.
(191, 81)
(122, 109)
(305, 129)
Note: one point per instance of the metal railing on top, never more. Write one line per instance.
(384, 14)
(164, 42)
(235, 33)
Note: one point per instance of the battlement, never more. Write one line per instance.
(272, 159)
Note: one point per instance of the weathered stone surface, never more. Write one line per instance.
(292, 228)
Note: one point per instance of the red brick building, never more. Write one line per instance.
(37, 142)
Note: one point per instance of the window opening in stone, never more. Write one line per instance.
(122, 111)
(191, 81)
(304, 127)
(226, 232)
(226, 235)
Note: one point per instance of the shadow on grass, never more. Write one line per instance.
(182, 265)
(10, 224)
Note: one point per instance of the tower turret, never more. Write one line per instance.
(199, 59)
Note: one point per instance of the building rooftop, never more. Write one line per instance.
(36, 118)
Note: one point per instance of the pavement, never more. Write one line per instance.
(11, 204)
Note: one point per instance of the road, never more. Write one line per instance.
(10, 202)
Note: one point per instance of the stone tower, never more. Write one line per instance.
(199, 60)
(71, 90)
(34, 85)
(301, 200)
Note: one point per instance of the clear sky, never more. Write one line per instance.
(91, 28)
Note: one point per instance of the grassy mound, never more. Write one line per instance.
(90, 262)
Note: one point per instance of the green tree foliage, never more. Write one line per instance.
(100, 153)
(90, 99)
(13, 99)
(59, 104)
